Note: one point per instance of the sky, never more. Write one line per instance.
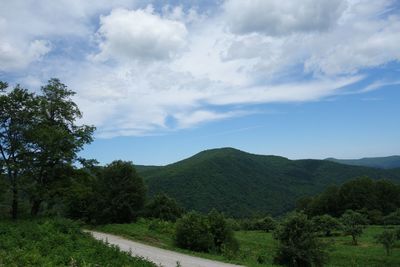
(163, 80)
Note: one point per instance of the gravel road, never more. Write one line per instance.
(159, 256)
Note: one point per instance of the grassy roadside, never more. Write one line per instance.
(258, 246)
(57, 242)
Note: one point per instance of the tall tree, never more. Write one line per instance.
(56, 139)
(17, 111)
(121, 194)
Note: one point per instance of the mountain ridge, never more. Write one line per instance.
(242, 184)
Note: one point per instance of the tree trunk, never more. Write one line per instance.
(35, 207)
(354, 240)
(14, 206)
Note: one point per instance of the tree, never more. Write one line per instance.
(17, 111)
(121, 193)
(392, 218)
(325, 224)
(164, 208)
(298, 243)
(192, 232)
(387, 238)
(221, 232)
(55, 140)
(353, 224)
(266, 224)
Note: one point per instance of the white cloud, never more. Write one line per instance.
(19, 56)
(168, 70)
(139, 34)
(276, 17)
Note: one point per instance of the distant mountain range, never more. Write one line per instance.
(390, 162)
(243, 184)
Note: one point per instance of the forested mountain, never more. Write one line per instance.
(242, 184)
(390, 162)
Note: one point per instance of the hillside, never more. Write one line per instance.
(241, 184)
(390, 162)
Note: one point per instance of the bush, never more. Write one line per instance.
(164, 208)
(393, 218)
(266, 224)
(57, 242)
(205, 233)
(387, 238)
(221, 232)
(298, 242)
(192, 232)
(326, 224)
(353, 224)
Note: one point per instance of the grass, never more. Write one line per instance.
(256, 245)
(57, 242)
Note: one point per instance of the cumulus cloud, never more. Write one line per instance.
(19, 56)
(139, 34)
(149, 71)
(276, 17)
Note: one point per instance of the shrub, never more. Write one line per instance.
(325, 224)
(393, 218)
(353, 224)
(298, 242)
(164, 208)
(192, 232)
(221, 232)
(266, 224)
(387, 238)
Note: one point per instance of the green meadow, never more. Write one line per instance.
(258, 246)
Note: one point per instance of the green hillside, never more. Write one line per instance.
(242, 184)
(390, 162)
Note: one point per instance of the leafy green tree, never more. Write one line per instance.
(388, 239)
(55, 140)
(392, 218)
(17, 111)
(193, 232)
(221, 232)
(163, 207)
(265, 224)
(120, 195)
(298, 242)
(353, 224)
(326, 224)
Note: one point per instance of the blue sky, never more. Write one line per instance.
(163, 80)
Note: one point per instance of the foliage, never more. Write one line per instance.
(326, 224)
(55, 140)
(193, 232)
(164, 208)
(222, 234)
(387, 238)
(57, 242)
(298, 242)
(17, 113)
(121, 194)
(255, 244)
(241, 184)
(353, 224)
(373, 198)
(39, 142)
(392, 218)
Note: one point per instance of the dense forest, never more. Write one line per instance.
(242, 184)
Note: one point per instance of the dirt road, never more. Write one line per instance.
(159, 256)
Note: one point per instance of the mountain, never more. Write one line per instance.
(390, 162)
(242, 184)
